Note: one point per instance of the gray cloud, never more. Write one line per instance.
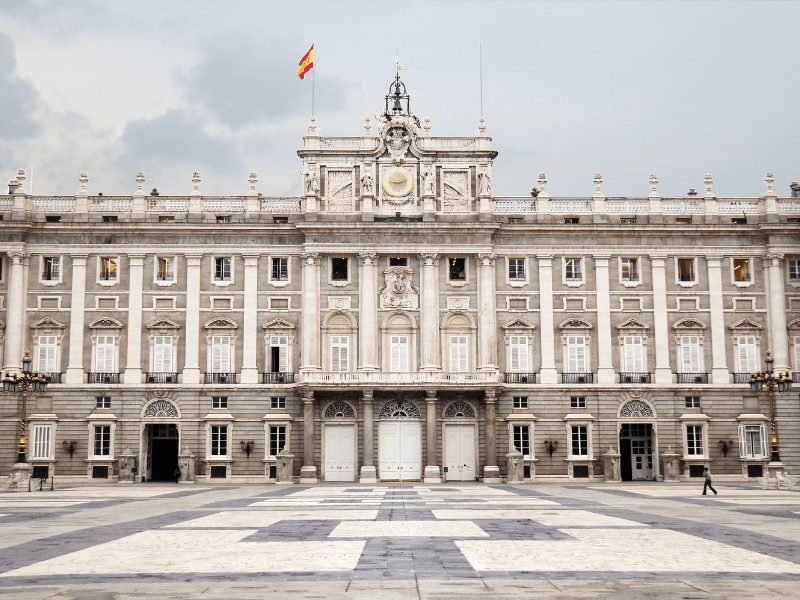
(244, 79)
(18, 99)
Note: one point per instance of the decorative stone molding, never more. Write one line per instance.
(399, 409)
(47, 323)
(636, 408)
(339, 409)
(459, 409)
(429, 258)
(106, 323)
(367, 258)
(310, 258)
(457, 302)
(689, 324)
(161, 408)
(221, 324)
(398, 291)
(162, 323)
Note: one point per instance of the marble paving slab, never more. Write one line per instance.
(264, 518)
(549, 518)
(368, 529)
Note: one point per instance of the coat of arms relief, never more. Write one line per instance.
(397, 290)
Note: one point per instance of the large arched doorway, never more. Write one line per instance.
(400, 442)
(637, 441)
(460, 442)
(339, 442)
(160, 440)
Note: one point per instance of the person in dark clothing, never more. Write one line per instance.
(707, 484)
(177, 476)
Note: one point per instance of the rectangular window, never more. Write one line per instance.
(47, 350)
(219, 402)
(279, 353)
(102, 401)
(686, 270)
(796, 342)
(576, 354)
(520, 402)
(42, 436)
(580, 440)
(277, 439)
(340, 353)
(398, 261)
(165, 268)
(280, 269)
(577, 401)
(516, 269)
(457, 269)
(518, 354)
(104, 354)
(522, 439)
(339, 269)
(741, 269)
(458, 354)
(694, 440)
(222, 268)
(627, 220)
(221, 354)
(51, 268)
(692, 401)
(102, 440)
(398, 353)
(108, 268)
(753, 441)
(277, 403)
(219, 440)
(794, 270)
(162, 354)
(690, 354)
(573, 269)
(630, 269)
(746, 357)
(632, 354)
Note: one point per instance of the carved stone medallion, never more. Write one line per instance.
(398, 291)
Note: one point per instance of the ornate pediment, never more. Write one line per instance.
(575, 324)
(278, 324)
(106, 323)
(791, 325)
(689, 324)
(47, 323)
(163, 323)
(518, 324)
(632, 324)
(221, 324)
(397, 290)
(746, 324)
(161, 408)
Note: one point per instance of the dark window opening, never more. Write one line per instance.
(572, 220)
(683, 220)
(339, 269)
(53, 218)
(739, 220)
(457, 269)
(280, 219)
(166, 218)
(627, 220)
(397, 261)
(110, 218)
(223, 218)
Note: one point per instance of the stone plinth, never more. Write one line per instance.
(491, 474)
(611, 470)
(186, 462)
(126, 464)
(671, 470)
(516, 471)
(284, 474)
(20, 478)
(368, 475)
(432, 474)
(308, 474)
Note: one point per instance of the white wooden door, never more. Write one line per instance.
(340, 453)
(400, 451)
(460, 452)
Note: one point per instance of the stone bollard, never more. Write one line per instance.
(20, 478)
(285, 474)
(611, 470)
(127, 465)
(515, 469)
(671, 472)
(186, 465)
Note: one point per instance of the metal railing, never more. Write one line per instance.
(691, 377)
(520, 377)
(161, 377)
(228, 378)
(577, 377)
(277, 377)
(634, 377)
(93, 377)
(53, 377)
(377, 377)
(741, 378)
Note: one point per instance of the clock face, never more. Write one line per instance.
(397, 182)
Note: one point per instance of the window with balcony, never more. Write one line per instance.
(577, 354)
(518, 361)
(340, 353)
(47, 354)
(633, 359)
(163, 355)
(51, 269)
(279, 353)
(105, 359)
(746, 354)
(690, 357)
(221, 354)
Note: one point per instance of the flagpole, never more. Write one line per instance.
(480, 68)
(313, 76)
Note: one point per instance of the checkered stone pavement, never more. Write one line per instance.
(406, 540)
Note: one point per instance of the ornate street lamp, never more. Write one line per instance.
(771, 382)
(24, 383)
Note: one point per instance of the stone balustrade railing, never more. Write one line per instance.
(376, 377)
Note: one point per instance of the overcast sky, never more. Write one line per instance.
(570, 88)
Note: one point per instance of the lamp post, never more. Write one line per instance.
(22, 384)
(771, 382)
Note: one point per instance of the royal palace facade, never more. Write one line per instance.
(398, 321)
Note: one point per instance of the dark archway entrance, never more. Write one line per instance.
(162, 451)
(636, 452)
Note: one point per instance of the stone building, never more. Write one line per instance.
(398, 321)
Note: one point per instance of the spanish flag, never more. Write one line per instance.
(306, 63)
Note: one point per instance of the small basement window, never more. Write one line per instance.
(166, 218)
(572, 220)
(627, 220)
(223, 218)
(280, 220)
(53, 219)
(683, 220)
(110, 218)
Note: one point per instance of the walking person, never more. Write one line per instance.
(707, 484)
(177, 476)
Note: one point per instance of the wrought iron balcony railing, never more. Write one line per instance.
(691, 377)
(633, 377)
(103, 377)
(53, 377)
(577, 377)
(161, 377)
(225, 378)
(277, 377)
(520, 377)
(741, 378)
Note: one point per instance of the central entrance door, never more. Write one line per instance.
(400, 451)
(460, 452)
(636, 451)
(340, 460)
(162, 451)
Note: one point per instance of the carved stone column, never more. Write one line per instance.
(310, 357)
(191, 364)
(15, 315)
(605, 365)
(777, 313)
(308, 472)
(719, 365)
(368, 474)
(133, 360)
(546, 332)
(491, 472)
(250, 324)
(430, 359)
(77, 317)
(487, 314)
(432, 473)
(367, 315)
(663, 371)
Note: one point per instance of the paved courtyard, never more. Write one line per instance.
(410, 540)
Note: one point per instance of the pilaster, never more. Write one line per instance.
(368, 473)
(308, 472)
(546, 333)
(74, 374)
(432, 473)
(779, 340)
(719, 367)
(191, 367)
(310, 328)
(250, 325)
(491, 472)
(663, 371)
(368, 314)
(133, 366)
(605, 364)
(429, 314)
(15, 313)
(487, 314)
